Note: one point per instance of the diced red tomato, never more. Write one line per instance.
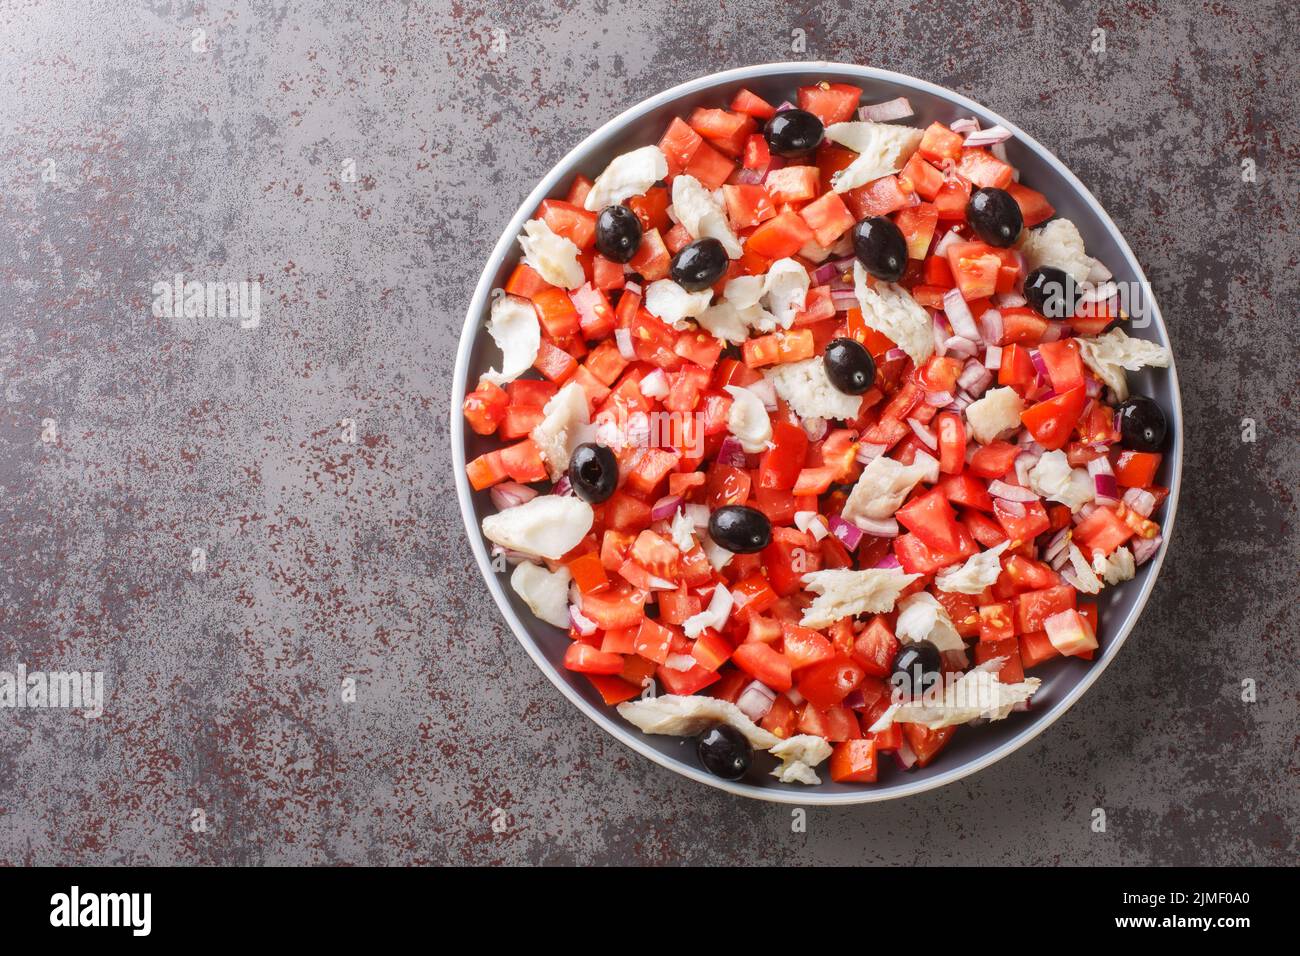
(830, 102)
(1103, 530)
(829, 218)
(1136, 469)
(1033, 608)
(1051, 422)
(764, 664)
(939, 143)
(854, 761)
(746, 102)
(588, 660)
(827, 683)
(781, 236)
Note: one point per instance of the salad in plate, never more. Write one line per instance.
(812, 430)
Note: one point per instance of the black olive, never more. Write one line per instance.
(1142, 424)
(916, 668)
(593, 472)
(995, 216)
(1052, 292)
(881, 248)
(792, 132)
(849, 366)
(618, 233)
(740, 529)
(724, 751)
(699, 265)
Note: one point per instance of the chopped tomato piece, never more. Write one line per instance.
(764, 664)
(1136, 469)
(1051, 422)
(1103, 530)
(829, 682)
(802, 646)
(588, 660)
(746, 102)
(931, 518)
(829, 219)
(780, 237)
(854, 761)
(939, 143)
(830, 102)
(1033, 608)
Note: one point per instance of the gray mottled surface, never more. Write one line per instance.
(130, 151)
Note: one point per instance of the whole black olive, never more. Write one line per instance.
(1142, 424)
(849, 366)
(792, 132)
(618, 233)
(916, 668)
(724, 751)
(995, 215)
(740, 529)
(881, 248)
(699, 265)
(593, 472)
(1052, 292)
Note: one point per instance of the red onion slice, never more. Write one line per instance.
(1100, 466)
(850, 535)
(731, 453)
(623, 338)
(562, 487)
(950, 237)
(1144, 549)
(633, 287)
(961, 347)
(697, 515)
(582, 624)
(824, 273)
(665, 507)
(1000, 489)
(895, 354)
(1140, 500)
(1107, 492)
(1009, 300)
(880, 528)
(938, 399)
(991, 327)
(975, 378)
(924, 433)
(967, 124)
(756, 700)
(655, 384)
(1014, 508)
(508, 494)
(940, 336)
(899, 108)
(1060, 544)
(890, 560)
(905, 755)
(844, 299)
(958, 312)
(987, 137)
(868, 453)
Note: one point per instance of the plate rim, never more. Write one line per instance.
(605, 718)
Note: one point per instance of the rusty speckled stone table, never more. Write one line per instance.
(231, 522)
